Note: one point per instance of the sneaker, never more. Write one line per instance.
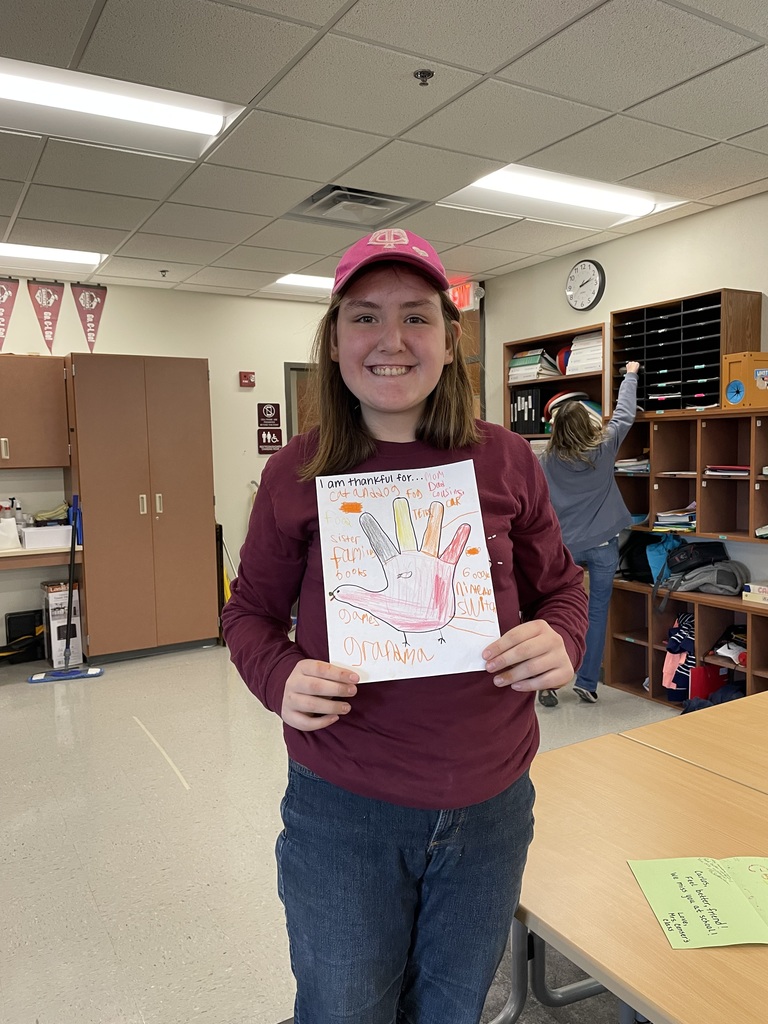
(588, 696)
(548, 698)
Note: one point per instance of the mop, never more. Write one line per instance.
(67, 673)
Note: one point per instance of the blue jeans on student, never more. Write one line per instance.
(602, 563)
(397, 915)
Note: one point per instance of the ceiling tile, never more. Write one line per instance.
(17, 155)
(128, 282)
(212, 50)
(298, 236)
(503, 122)
(242, 191)
(727, 101)
(200, 222)
(180, 250)
(27, 32)
(480, 38)
(584, 245)
(473, 259)
(527, 261)
(664, 217)
(4, 222)
(702, 174)
(277, 261)
(532, 236)
(72, 206)
(375, 91)
(77, 165)
(9, 195)
(66, 236)
(438, 223)
(317, 12)
(598, 60)
(212, 289)
(615, 148)
(742, 192)
(149, 270)
(277, 144)
(751, 15)
(417, 172)
(757, 139)
(226, 278)
(325, 267)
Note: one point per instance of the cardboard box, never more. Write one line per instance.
(55, 597)
(46, 536)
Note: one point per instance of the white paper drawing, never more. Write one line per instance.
(406, 571)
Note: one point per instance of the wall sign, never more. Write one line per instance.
(269, 414)
(270, 441)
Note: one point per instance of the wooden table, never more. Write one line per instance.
(730, 740)
(612, 799)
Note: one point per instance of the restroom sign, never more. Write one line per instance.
(270, 440)
(269, 414)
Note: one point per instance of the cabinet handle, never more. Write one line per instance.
(5, 448)
(142, 504)
(158, 503)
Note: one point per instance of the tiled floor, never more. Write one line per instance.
(138, 813)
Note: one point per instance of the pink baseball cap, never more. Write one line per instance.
(391, 244)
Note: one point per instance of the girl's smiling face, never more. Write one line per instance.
(391, 346)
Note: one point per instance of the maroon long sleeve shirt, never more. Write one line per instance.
(435, 742)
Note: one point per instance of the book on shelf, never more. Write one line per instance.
(678, 472)
(530, 364)
(757, 587)
(632, 466)
(678, 515)
(525, 411)
(752, 598)
(726, 471)
(762, 531)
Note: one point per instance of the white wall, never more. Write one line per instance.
(726, 247)
(233, 333)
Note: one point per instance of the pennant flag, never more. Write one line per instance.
(8, 288)
(89, 300)
(46, 298)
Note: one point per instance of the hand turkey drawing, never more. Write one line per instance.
(419, 593)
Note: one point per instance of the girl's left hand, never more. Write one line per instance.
(529, 657)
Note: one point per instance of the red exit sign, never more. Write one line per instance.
(466, 295)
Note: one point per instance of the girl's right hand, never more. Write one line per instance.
(308, 700)
(633, 367)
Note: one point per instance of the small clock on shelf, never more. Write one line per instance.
(585, 285)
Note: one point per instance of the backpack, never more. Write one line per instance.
(726, 578)
(633, 556)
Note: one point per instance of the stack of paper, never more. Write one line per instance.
(586, 354)
(633, 466)
(529, 365)
(677, 518)
(726, 471)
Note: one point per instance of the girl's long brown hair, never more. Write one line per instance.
(343, 440)
(574, 434)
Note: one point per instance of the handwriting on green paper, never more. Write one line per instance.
(702, 902)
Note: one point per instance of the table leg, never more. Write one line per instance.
(565, 994)
(518, 940)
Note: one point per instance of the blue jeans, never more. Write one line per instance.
(602, 563)
(397, 915)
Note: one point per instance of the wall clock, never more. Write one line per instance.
(585, 285)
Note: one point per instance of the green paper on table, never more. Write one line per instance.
(702, 902)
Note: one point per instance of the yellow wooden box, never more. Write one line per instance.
(744, 380)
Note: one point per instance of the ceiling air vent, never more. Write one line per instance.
(334, 204)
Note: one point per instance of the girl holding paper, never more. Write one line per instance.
(408, 811)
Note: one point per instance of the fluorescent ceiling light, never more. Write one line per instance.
(108, 104)
(558, 188)
(306, 281)
(88, 108)
(69, 257)
(528, 192)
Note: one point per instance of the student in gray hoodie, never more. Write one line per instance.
(579, 466)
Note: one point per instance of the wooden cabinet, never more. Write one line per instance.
(637, 632)
(142, 465)
(729, 507)
(536, 391)
(680, 343)
(33, 412)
